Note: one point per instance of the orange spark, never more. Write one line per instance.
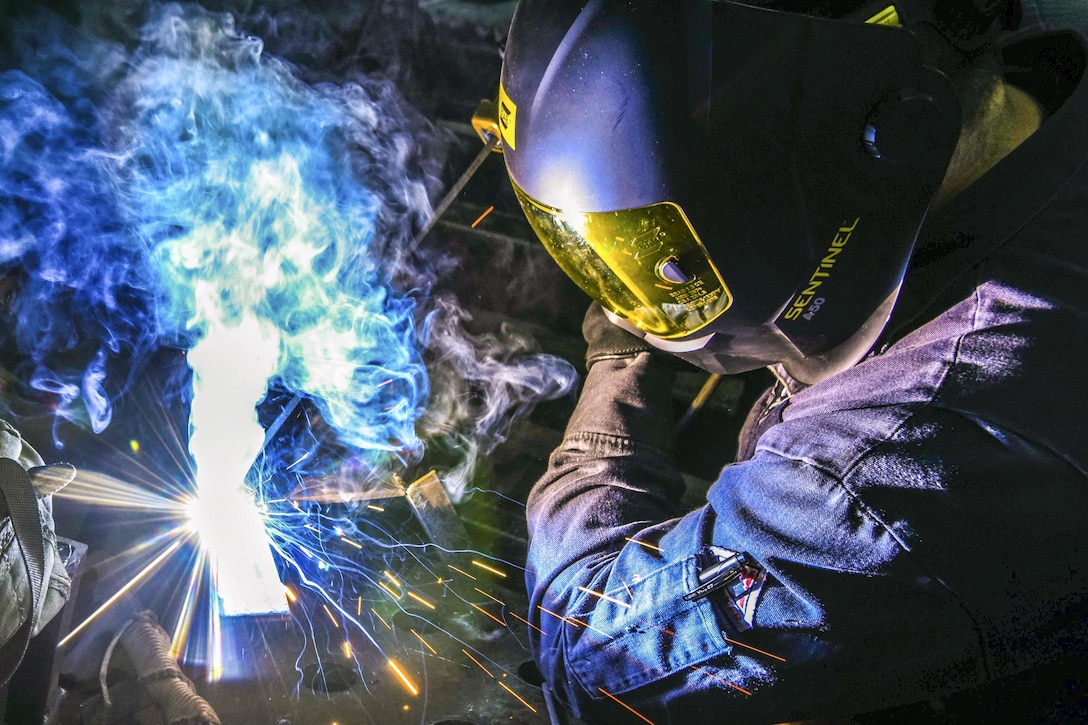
(754, 649)
(481, 591)
(290, 594)
(526, 621)
(347, 649)
(503, 686)
(643, 543)
(329, 612)
(356, 545)
(482, 216)
(388, 575)
(478, 663)
(487, 613)
(459, 571)
(587, 625)
(403, 678)
(560, 617)
(425, 643)
(617, 700)
(374, 507)
(389, 591)
(380, 619)
(421, 600)
(605, 597)
(491, 569)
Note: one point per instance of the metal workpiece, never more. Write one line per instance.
(434, 510)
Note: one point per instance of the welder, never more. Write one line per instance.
(887, 206)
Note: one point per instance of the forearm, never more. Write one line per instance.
(611, 614)
(610, 559)
(612, 474)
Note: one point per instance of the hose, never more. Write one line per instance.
(148, 648)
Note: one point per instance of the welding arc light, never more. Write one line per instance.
(231, 532)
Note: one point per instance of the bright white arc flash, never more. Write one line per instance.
(232, 533)
(231, 366)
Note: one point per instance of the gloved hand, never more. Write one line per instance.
(607, 341)
(31, 568)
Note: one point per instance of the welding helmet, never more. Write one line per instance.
(738, 185)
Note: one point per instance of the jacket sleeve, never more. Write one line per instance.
(610, 556)
(843, 623)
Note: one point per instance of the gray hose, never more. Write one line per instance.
(148, 648)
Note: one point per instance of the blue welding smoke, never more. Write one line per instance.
(79, 283)
(151, 184)
(257, 193)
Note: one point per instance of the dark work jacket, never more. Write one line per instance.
(922, 517)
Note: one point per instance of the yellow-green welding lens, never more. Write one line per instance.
(647, 264)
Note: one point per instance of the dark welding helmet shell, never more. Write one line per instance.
(742, 186)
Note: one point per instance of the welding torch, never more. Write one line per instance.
(486, 123)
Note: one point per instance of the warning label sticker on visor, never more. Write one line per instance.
(508, 118)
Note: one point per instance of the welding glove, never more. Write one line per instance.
(607, 341)
(34, 584)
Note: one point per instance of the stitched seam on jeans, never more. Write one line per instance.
(615, 445)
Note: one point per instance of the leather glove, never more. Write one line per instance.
(607, 341)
